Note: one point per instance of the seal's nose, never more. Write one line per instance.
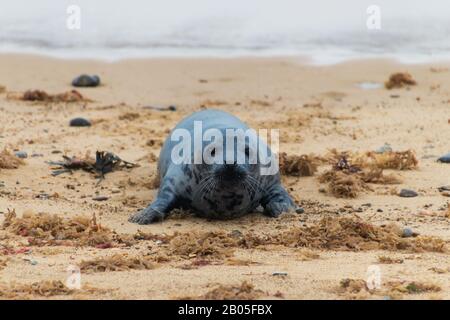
(230, 172)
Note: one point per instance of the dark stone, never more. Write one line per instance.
(21, 154)
(100, 198)
(406, 193)
(85, 80)
(445, 158)
(80, 122)
(407, 232)
(300, 210)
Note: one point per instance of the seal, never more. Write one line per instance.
(222, 189)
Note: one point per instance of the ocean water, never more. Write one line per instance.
(325, 31)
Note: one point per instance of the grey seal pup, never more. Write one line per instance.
(220, 190)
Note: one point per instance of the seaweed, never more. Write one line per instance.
(400, 80)
(9, 161)
(117, 262)
(47, 229)
(244, 291)
(103, 163)
(299, 166)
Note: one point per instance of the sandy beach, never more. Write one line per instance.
(316, 108)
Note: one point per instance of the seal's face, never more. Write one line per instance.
(228, 189)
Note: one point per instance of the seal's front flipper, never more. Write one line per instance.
(147, 216)
(159, 209)
(277, 201)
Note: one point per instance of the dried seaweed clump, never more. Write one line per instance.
(48, 229)
(343, 233)
(40, 95)
(117, 262)
(350, 175)
(348, 285)
(396, 160)
(413, 287)
(41, 288)
(342, 184)
(9, 161)
(244, 291)
(299, 166)
(400, 80)
(389, 260)
(214, 245)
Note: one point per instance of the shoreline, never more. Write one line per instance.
(307, 60)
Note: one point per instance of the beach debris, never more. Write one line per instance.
(385, 148)
(159, 108)
(369, 85)
(299, 210)
(130, 116)
(445, 158)
(40, 95)
(407, 193)
(282, 274)
(9, 160)
(389, 260)
(244, 291)
(79, 122)
(299, 166)
(21, 154)
(100, 198)
(51, 229)
(444, 188)
(343, 233)
(213, 245)
(400, 80)
(103, 163)
(117, 262)
(47, 288)
(414, 287)
(347, 180)
(348, 285)
(85, 80)
(407, 232)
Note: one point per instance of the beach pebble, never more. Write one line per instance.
(407, 193)
(100, 198)
(279, 274)
(407, 232)
(300, 210)
(385, 148)
(37, 155)
(21, 154)
(85, 80)
(445, 158)
(80, 122)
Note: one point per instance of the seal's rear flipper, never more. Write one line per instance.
(277, 201)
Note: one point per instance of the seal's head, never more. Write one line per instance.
(229, 183)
